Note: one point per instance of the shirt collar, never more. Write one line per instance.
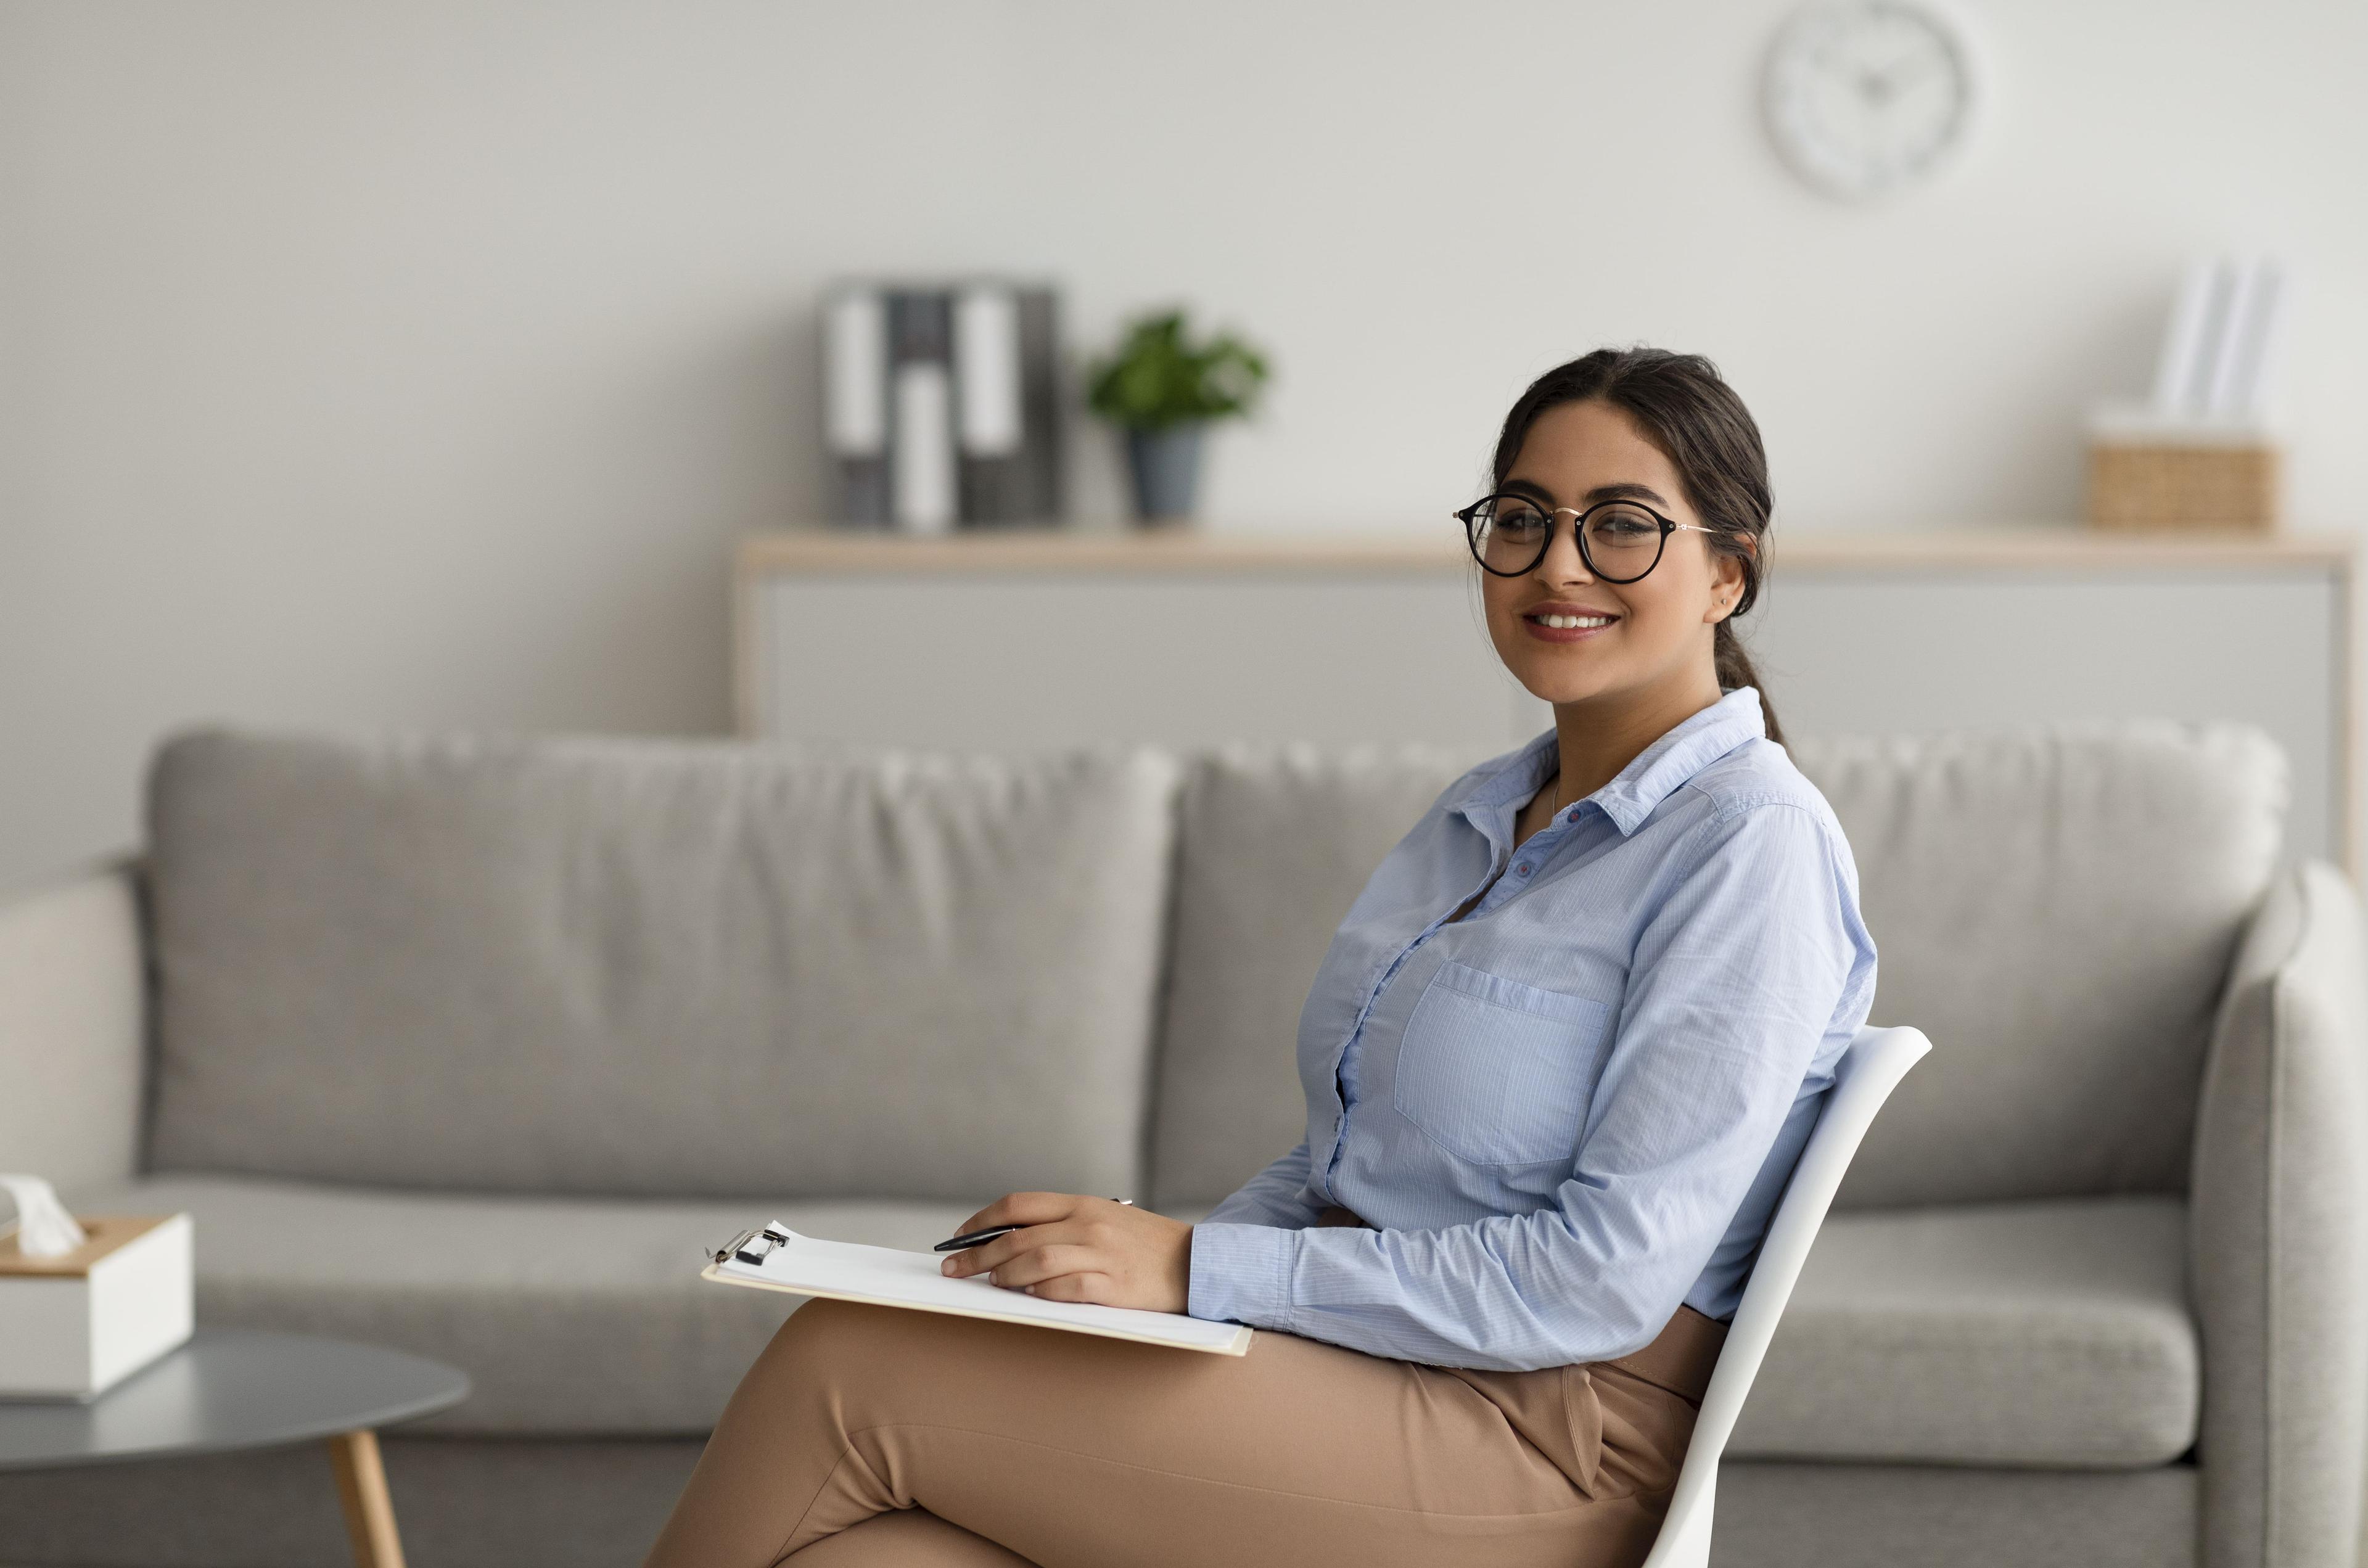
(1657, 772)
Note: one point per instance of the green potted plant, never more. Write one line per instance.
(1161, 388)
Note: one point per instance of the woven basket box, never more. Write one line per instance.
(2148, 472)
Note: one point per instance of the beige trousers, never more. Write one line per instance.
(867, 1436)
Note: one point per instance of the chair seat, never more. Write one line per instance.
(2053, 1334)
(570, 1315)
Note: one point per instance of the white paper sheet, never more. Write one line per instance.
(855, 373)
(809, 1265)
(921, 450)
(986, 370)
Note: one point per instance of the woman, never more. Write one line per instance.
(1559, 1063)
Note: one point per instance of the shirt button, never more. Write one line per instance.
(1573, 814)
(1522, 869)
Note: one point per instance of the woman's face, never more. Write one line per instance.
(1645, 638)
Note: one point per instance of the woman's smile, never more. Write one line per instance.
(1558, 622)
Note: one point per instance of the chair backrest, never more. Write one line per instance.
(1863, 1079)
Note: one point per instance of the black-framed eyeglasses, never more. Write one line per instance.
(1620, 541)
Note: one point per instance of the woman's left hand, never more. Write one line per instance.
(1076, 1248)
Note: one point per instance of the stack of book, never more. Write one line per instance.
(941, 404)
(2201, 451)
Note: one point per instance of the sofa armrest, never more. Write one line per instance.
(2279, 1248)
(73, 1023)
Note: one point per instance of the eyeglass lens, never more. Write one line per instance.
(1620, 543)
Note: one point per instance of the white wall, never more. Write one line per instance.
(416, 363)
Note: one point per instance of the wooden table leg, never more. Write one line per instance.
(369, 1511)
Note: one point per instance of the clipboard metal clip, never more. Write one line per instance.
(751, 1246)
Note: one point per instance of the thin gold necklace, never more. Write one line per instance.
(1558, 802)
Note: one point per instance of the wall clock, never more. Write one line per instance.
(1868, 97)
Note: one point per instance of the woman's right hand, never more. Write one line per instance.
(1073, 1247)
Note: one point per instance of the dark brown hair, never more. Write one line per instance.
(1685, 408)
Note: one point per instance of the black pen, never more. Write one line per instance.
(973, 1239)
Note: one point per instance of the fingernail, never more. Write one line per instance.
(947, 1267)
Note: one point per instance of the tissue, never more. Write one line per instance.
(44, 1229)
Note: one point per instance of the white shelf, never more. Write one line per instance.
(1048, 637)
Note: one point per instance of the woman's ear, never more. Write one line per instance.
(1726, 584)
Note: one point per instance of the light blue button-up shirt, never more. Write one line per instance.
(1575, 1108)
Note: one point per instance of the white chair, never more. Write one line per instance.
(1863, 1079)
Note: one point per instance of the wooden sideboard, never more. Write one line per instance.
(1045, 638)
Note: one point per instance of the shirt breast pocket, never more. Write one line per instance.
(1498, 1073)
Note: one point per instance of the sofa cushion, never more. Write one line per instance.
(667, 968)
(2050, 1334)
(582, 1316)
(2058, 910)
(2055, 907)
(2053, 1334)
(1273, 844)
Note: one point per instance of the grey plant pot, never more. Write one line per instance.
(1166, 468)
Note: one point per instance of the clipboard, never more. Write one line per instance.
(775, 1257)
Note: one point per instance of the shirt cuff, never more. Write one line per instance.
(1242, 1274)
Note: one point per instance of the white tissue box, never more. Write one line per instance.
(74, 1326)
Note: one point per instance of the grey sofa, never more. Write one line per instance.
(466, 1045)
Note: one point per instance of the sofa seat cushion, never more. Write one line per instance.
(570, 1315)
(2054, 1333)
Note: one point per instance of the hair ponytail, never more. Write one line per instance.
(1685, 408)
(1734, 669)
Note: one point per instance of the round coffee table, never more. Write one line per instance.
(230, 1388)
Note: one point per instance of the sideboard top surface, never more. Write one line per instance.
(803, 595)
